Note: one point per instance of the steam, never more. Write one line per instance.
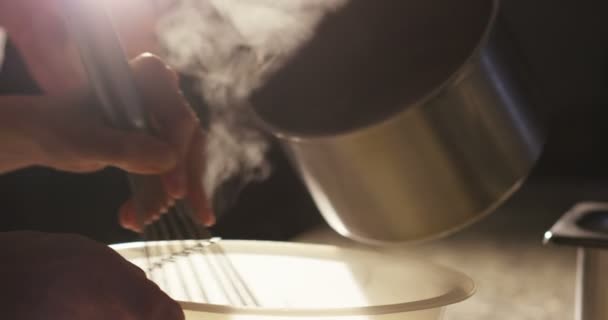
(230, 47)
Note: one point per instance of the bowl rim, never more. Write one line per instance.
(463, 288)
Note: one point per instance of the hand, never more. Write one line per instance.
(175, 122)
(67, 133)
(68, 136)
(37, 29)
(46, 276)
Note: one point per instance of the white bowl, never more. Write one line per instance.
(303, 281)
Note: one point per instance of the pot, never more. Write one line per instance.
(406, 119)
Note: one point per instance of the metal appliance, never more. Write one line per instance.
(586, 227)
(407, 120)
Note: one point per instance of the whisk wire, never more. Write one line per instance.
(186, 221)
(191, 237)
(185, 252)
(158, 252)
(174, 257)
(237, 279)
(197, 231)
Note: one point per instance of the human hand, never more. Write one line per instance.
(68, 133)
(73, 138)
(37, 29)
(47, 276)
(174, 122)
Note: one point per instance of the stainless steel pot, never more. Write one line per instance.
(407, 119)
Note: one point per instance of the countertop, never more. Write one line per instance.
(517, 276)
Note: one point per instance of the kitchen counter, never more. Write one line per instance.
(517, 277)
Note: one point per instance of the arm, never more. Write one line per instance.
(53, 276)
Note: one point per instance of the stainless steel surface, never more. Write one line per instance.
(585, 226)
(592, 285)
(420, 169)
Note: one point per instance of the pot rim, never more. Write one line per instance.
(291, 136)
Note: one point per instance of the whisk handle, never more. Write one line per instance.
(111, 78)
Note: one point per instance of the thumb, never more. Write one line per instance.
(131, 151)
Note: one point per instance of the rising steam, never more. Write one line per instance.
(230, 47)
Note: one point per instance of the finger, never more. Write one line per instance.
(126, 216)
(196, 193)
(175, 181)
(151, 200)
(131, 151)
(129, 218)
(174, 121)
(172, 118)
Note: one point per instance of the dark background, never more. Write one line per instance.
(565, 43)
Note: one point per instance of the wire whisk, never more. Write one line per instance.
(182, 251)
(110, 77)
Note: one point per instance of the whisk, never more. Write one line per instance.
(194, 250)
(110, 76)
